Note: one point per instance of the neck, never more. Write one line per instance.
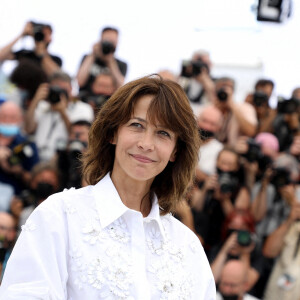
(134, 194)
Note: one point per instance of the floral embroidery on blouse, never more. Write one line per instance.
(110, 272)
(118, 231)
(171, 278)
(28, 226)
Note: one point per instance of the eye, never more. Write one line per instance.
(137, 125)
(164, 133)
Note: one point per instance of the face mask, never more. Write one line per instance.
(9, 129)
(43, 190)
(205, 134)
(230, 297)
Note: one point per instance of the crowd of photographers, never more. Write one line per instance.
(245, 202)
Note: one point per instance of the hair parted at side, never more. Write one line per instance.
(171, 108)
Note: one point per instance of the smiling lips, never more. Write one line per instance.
(143, 159)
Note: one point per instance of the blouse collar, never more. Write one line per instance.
(110, 206)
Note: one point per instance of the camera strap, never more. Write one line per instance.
(297, 246)
(52, 127)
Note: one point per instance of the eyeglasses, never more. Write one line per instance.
(5, 228)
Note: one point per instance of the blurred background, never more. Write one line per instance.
(156, 35)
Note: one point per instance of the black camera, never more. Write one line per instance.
(287, 106)
(97, 100)
(260, 98)
(244, 238)
(38, 31)
(19, 153)
(107, 47)
(227, 182)
(191, 68)
(280, 177)
(254, 152)
(69, 162)
(222, 95)
(54, 94)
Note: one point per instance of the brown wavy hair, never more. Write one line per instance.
(171, 108)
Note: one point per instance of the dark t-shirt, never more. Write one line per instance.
(98, 67)
(27, 161)
(29, 54)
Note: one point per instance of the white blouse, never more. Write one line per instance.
(86, 244)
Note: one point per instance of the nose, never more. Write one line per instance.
(146, 142)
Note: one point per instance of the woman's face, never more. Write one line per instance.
(143, 149)
(227, 161)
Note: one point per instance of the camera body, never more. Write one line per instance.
(192, 68)
(227, 182)
(107, 47)
(19, 153)
(287, 106)
(280, 177)
(254, 152)
(38, 31)
(260, 98)
(54, 94)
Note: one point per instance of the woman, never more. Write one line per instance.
(115, 238)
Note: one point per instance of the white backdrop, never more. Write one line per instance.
(158, 34)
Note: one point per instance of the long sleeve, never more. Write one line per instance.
(37, 267)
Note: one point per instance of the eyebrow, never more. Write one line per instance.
(144, 121)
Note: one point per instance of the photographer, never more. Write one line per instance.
(260, 101)
(17, 154)
(238, 242)
(270, 206)
(101, 89)
(221, 193)
(286, 124)
(42, 35)
(68, 156)
(51, 112)
(44, 181)
(284, 243)
(102, 58)
(239, 118)
(196, 80)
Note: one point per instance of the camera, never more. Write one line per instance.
(244, 238)
(69, 163)
(227, 182)
(97, 100)
(191, 68)
(280, 177)
(222, 95)
(54, 94)
(287, 106)
(38, 31)
(254, 152)
(260, 98)
(19, 153)
(107, 47)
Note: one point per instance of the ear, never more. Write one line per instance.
(113, 140)
(173, 155)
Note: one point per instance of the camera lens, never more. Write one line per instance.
(222, 95)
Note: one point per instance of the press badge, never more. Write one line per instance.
(286, 281)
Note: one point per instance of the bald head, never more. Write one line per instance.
(235, 268)
(210, 118)
(10, 113)
(233, 278)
